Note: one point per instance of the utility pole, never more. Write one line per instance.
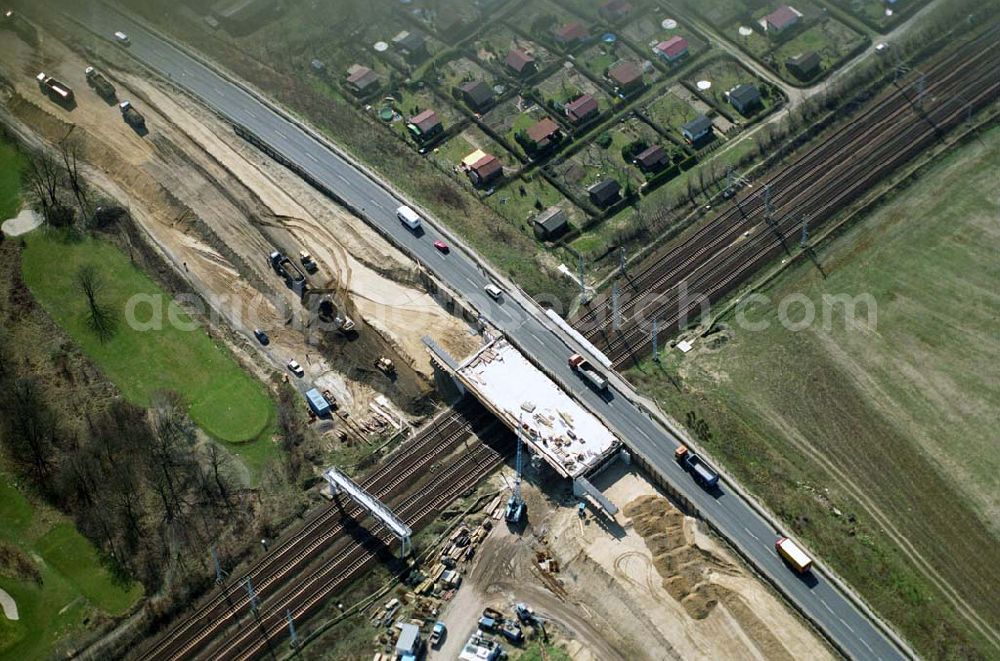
(616, 316)
(768, 206)
(583, 285)
(656, 352)
(921, 88)
(219, 574)
(805, 234)
(291, 628)
(253, 596)
(729, 181)
(621, 259)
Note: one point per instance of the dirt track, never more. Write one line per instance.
(216, 207)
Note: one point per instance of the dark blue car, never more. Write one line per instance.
(261, 336)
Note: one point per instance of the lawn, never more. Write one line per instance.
(518, 201)
(831, 39)
(726, 73)
(450, 154)
(11, 162)
(222, 399)
(854, 434)
(75, 587)
(567, 85)
(669, 111)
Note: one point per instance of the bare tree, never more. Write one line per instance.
(100, 316)
(69, 149)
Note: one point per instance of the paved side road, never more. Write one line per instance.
(843, 622)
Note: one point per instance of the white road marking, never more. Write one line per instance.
(251, 114)
(313, 158)
(280, 134)
(751, 534)
(826, 606)
(867, 646)
(850, 628)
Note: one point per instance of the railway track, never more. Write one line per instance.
(715, 277)
(270, 624)
(400, 469)
(715, 241)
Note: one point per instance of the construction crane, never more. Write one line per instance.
(516, 507)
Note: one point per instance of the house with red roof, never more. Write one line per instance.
(425, 125)
(672, 49)
(571, 33)
(520, 62)
(627, 77)
(780, 19)
(581, 109)
(481, 167)
(543, 134)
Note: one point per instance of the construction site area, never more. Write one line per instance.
(217, 209)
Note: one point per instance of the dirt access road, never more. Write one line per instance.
(648, 584)
(215, 207)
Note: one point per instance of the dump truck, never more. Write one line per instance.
(793, 555)
(132, 116)
(100, 84)
(703, 474)
(293, 277)
(55, 90)
(583, 367)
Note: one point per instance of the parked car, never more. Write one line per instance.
(441, 245)
(881, 48)
(261, 336)
(122, 38)
(295, 368)
(494, 291)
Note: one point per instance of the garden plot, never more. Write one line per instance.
(566, 85)
(648, 30)
(492, 48)
(541, 19)
(830, 39)
(671, 109)
(406, 101)
(522, 199)
(511, 116)
(596, 163)
(450, 154)
(720, 12)
(879, 14)
(724, 74)
(456, 72)
(449, 19)
(602, 56)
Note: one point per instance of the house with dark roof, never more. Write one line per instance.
(411, 44)
(672, 49)
(780, 19)
(614, 10)
(627, 77)
(477, 95)
(543, 134)
(425, 125)
(744, 98)
(652, 159)
(581, 109)
(361, 80)
(482, 168)
(804, 66)
(571, 33)
(697, 129)
(520, 62)
(550, 224)
(605, 193)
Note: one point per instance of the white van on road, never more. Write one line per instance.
(409, 217)
(122, 38)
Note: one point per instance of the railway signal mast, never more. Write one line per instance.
(516, 507)
(219, 572)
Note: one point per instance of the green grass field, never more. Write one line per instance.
(11, 162)
(862, 438)
(222, 399)
(75, 587)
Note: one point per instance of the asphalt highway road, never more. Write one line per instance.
(815, 595)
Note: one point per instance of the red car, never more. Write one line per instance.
(441, 245)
